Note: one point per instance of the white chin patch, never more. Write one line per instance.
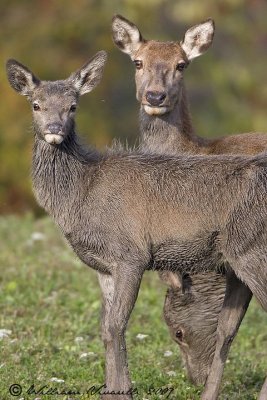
(155, 110)
(53, 139)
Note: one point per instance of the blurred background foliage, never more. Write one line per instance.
(227, 87)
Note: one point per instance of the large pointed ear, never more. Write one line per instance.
(88, 77)
(21, 78)
(198, 39)
(126, 35)
(172, 279)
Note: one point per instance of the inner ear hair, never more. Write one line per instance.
(172, 279)
(126, 35)
(21, 78)
(198, 39)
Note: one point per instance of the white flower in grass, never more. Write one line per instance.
(57, 380)
(4, 333)
(168, 353)
(171, 373)
(78, 339)
(85, 355)
(37, 236)
(141, 336)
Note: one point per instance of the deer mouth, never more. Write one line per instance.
(152, 110)
(53, 138)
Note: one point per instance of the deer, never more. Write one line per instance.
(191, 311)
(125, 212)
(166, 128)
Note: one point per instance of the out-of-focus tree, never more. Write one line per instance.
(227, 87)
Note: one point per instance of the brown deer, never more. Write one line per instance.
(166, 128)
(125, 213)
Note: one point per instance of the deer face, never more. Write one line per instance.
(191, 311)
(54, 103)
(53, 106)
(160, 65)
(159, 75)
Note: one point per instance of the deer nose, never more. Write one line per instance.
(155, 98)
(54, 128)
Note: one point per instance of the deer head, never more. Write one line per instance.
(54, 103)
(160, 65)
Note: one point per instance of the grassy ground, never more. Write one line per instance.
(50, 302)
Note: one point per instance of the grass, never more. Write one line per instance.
(50, 302)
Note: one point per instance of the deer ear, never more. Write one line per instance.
(88, 77)
(126, 35)
(172, 279)
(21, 78)
(198, 39)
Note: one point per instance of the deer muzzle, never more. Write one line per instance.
(54, 133)
(154, 105)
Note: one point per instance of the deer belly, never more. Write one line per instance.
(198, 255)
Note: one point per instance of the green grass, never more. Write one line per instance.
(48, 299)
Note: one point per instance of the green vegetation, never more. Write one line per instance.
(227, 86)
(51, 304)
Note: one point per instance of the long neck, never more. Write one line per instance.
(58, 174)
(170, 133)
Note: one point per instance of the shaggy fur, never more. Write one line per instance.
(119, 211)
(172, 133)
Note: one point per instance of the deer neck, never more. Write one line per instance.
(170, 133)
(58, 174)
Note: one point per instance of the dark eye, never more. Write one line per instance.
(138, 64)
(181, 66)
(36, 107)
(73, 108)
(179, 334)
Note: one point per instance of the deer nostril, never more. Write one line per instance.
(54, 128)
(162, 97)
(155, 98)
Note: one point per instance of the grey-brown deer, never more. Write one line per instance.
(125, 213)
(166, 128)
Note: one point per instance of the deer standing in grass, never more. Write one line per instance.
(126, 213)
(166, 128)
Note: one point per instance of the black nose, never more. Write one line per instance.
(155, 98)
(54, 128)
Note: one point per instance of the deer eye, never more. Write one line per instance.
(181, 66)
(36, 107)
(138, 64)
(73, 108)
(179, 334)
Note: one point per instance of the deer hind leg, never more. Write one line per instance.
(126, 287)
(236, 301)
(252, 269)
(263, 393)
